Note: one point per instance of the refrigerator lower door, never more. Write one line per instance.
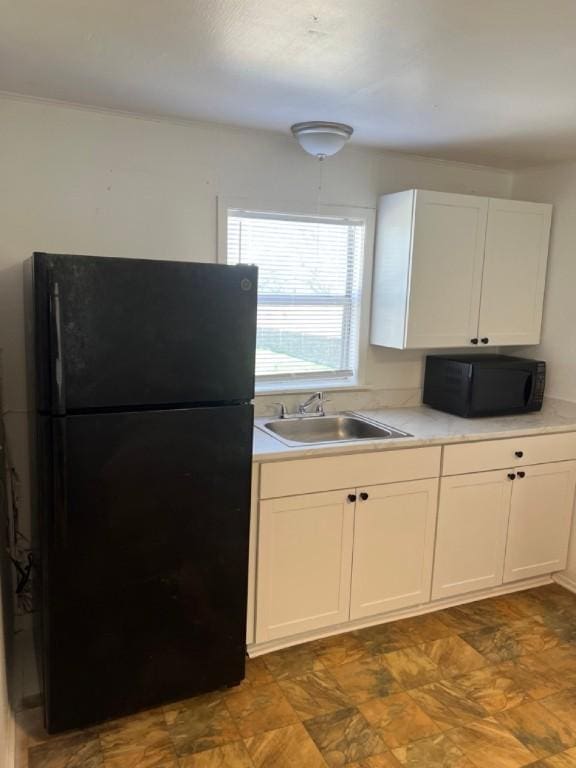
(145, 560)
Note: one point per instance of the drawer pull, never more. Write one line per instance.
(511, 476)
(519, 454)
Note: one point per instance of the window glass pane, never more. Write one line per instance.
(308, 290)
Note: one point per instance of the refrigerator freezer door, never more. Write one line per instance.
(146, 559)
(125, 333)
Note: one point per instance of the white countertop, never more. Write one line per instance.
(428, 427)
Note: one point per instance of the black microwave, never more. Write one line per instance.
(484, 385)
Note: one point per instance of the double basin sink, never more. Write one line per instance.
(332, 428)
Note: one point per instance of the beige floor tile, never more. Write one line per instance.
(565, 759)
(260, 708)
(139, 741)
(412, 667)
(510, 640)
(384, 638)
(199, 724)
(562, 659)
(257, 673)
(423, 629)
(433, 752)
(289, 747)
(533, 675)
(76, 751)
(339, 650)
(398, 719)
(293, 662)
(453, 656)
(458, 620)
(344, 736)
(233, 755)
(489, 745)
(367, 679)
(563, 706)
(538, 729)
(492, 689)
(386, 760)
(447, 704)
(314, 694)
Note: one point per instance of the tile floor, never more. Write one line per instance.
(490, 684)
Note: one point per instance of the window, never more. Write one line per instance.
(309, 290)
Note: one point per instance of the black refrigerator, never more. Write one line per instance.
(142, 376)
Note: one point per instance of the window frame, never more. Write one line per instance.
(295, 383)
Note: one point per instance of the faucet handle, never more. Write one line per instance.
(283, 410)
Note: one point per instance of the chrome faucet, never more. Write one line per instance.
(318, 398)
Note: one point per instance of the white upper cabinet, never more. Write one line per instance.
(514, 272)
(458, 270)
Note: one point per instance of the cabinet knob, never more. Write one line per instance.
(511, 476)
(519, 454)
(473, 341)
(521, 474)
(363, 495)
(351, 498)
(485, 340)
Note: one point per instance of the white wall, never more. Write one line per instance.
(83, 181)
(556, 185)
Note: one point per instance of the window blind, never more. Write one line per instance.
(308, 291)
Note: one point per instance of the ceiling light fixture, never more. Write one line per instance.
(322, 139)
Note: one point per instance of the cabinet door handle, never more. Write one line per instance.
(519, 454)
(473, 341)
(521, 474)
(511, 476)
(485, 340)
(351, 498)
(363, 495)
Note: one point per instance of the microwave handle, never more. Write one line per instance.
(529, 388)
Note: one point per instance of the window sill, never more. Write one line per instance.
(310, 386)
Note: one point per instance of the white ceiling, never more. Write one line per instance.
(487, 81)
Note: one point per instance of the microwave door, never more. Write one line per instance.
(500, 390)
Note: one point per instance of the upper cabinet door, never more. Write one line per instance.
(514, 272)
(446, 269)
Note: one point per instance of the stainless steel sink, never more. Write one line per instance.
(333, 428)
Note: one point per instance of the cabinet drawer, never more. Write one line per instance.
(511, 452)
(290, 478)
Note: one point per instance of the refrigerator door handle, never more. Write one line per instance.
(60, 489)
(58, 395)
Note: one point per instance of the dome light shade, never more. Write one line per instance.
(322, 139)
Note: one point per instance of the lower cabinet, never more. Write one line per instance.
(540, 520)
(471, 534)
(393, 547)
(502, 526)
(304, 563)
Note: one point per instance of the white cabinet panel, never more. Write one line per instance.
(250, 609)
(471, 532)
(446, 273)
(458, 271)
(514, 272)
(304, 563)
(393, 547)
(540, 520)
